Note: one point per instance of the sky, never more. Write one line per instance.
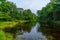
(33, 5)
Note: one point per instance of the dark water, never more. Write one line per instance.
(34, 31)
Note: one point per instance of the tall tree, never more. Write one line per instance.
(51, 11)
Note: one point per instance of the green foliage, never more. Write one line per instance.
(29, 15)
(2, 0)
(2, 35)
(51, 11)
(9, 12)
(5, 36)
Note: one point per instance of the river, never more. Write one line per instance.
(32, 35)
(34, 31)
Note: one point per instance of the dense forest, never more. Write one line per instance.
(13, 19)
(11, 16)
(9, 12)
(49, 18)
(51, 12)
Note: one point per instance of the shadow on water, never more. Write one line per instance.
(32, 35)
(34, 31)
(26, 31)
(20, 27)
(52, 31)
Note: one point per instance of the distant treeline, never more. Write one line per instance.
(9, 12)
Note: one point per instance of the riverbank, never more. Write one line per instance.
(50, 23)
(50, 29)
(9, 32)
(7, 24)
(4, 24)
(10, 25)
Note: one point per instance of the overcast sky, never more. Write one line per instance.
(34, 5)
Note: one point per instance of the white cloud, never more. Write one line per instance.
(34, 5)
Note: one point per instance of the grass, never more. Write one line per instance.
(5, 36)
(4, 24)
(7, 24)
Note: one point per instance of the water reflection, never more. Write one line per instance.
(51, 32)
(33, 35)
(33, 31)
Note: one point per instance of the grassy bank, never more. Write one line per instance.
(7, 24)
(5, 36)
(4, 24)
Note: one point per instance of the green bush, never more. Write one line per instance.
(2, 35)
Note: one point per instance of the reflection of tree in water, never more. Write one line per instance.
(33, 35)
(19, 27)
(52, 31)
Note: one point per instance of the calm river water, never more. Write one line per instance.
(34, 31)
(32, 35)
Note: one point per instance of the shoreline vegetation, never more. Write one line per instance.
(4, 24)
(10, 15)
(51, 13)
(12, 18)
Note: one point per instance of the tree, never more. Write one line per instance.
(9, 10)
(51, 11)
